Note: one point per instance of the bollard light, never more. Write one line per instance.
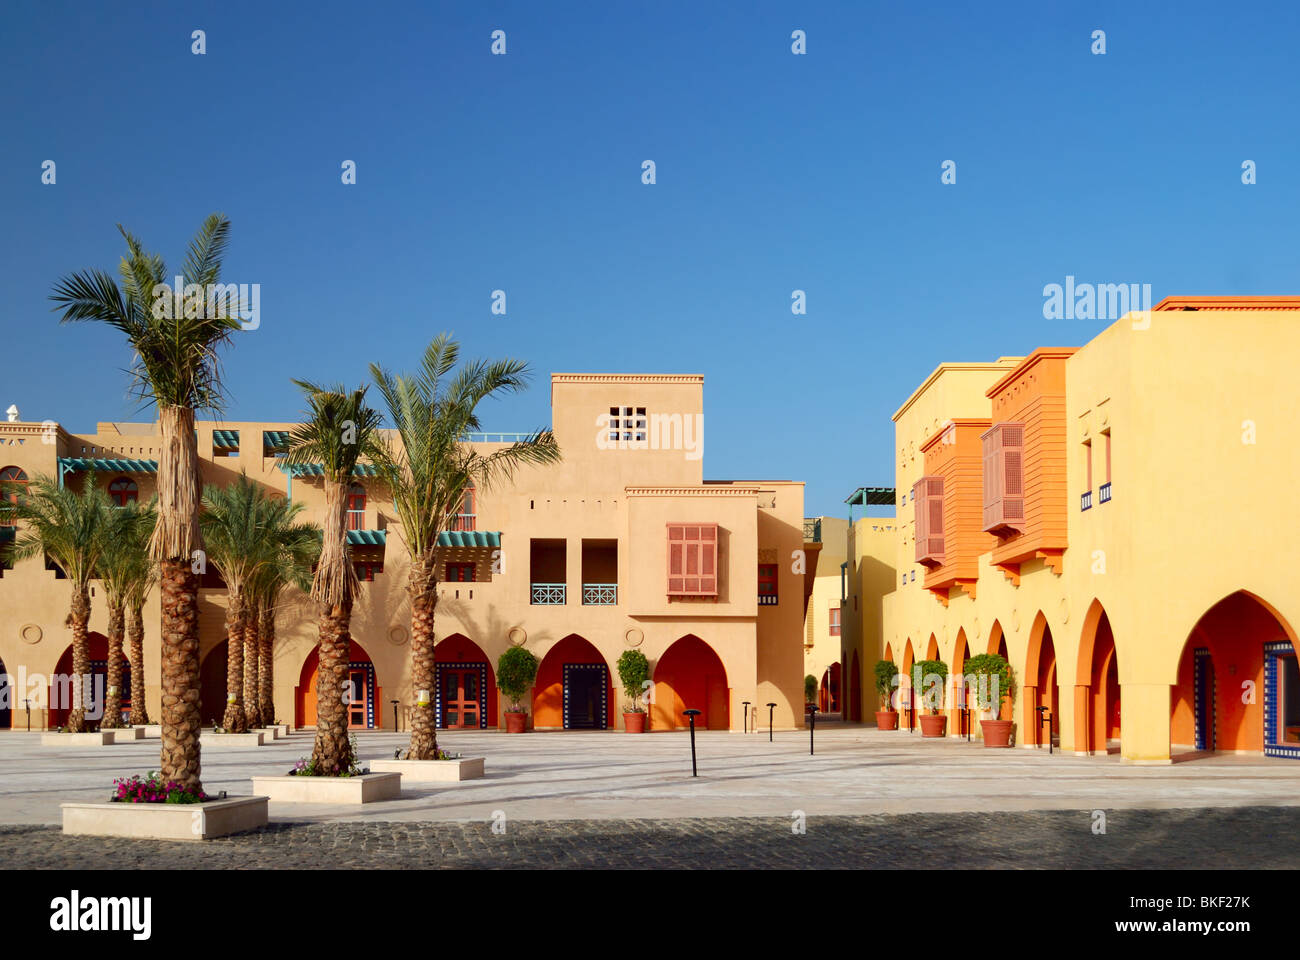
(1045, 717)
(746, 720)
(27, 705)
(812, 726)
(394, 703)
(770, 708)
(692, 714)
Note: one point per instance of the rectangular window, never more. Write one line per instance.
(929, 520)
(692, 559)
(1087, 464)
(367, 569)
(628, 424)
(767, 584)
(225, 443)
(460, 572)
(835, 621)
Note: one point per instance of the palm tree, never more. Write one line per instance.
(428, 475)
(68, 528)
(143, 578)
(289, 566)
(122, 562)
(176, 368)
(337, 433)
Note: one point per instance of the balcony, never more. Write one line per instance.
(768, 599)
(812, 530)
(548, 595)
(1085, 500)
(1103, 495)
(597, 594)
(458, 522)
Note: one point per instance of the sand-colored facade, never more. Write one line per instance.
(571, 561)
(826, 658)
(1145, 595)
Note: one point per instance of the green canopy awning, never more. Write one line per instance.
(103, 465)
(275, 439)
(469, 538)
(872, 497)
(225, 439)
(367, 538)
(318, 470)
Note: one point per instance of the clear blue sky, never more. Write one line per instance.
(775, 172)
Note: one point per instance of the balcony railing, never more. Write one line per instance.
(461, 522)
(1103, 495)
(548, 594)
(767, 599)
(1085, 501)
(599, 594)
(812, 530)
(356, 520)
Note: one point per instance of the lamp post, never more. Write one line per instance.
(770, 708)
(1045, 717)
(394, 703)
(691, 714)
(27, 705)
(812, 726)
(746, 719)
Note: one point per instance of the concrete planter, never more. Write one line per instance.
(165, 821)
(366, 788)
(282, 730)
(150, 731)
(209, 739)
(270, 733)
(125, 734)
(432, 771)
(76, 739)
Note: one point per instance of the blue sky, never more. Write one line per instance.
(522, 172)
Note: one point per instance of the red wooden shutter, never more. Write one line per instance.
(992, 478)
(709, 560)
(918, 500)
(1013, 477)
(676, 560)
(934, 518)
(692, 559)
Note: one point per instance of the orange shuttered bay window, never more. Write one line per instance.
(1004, 480)
(928, 494)
(692, 559)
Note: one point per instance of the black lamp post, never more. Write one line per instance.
(746, 720)
(770, 708)
(27, 705)
(394, 703)
(812, 726)
(1045, 717)
(692, 714)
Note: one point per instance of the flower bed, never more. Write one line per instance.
(152, 789)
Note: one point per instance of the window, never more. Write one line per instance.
(465, 520)
(367, 569)
(929, 520)
(627, 424)
(225, 443)
(460, 572)
(767, 584)
(1004, 482)
(11, 475)
(1103, 493)
(123, 491)
(835, 621)
(692, 559)
(356, 507)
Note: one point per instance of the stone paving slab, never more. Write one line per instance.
(1235, 838)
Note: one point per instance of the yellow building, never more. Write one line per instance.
(825, 654)
(621, 546)
(1113, 519)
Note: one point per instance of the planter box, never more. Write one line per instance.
(165, 821)
(76, 739)
(125, 734)
(150, 731)
(209, 739)
(366, 788)
(282, 730)
(269, 733)
(432, 771)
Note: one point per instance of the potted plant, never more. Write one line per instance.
(809, 691)
(934, 674)
(633, 672)
(993, 680)
(886, 718)
(516, 671)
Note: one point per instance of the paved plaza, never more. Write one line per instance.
(867, 798)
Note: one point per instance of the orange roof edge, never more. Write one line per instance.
(953, 423)
(1228, 303)
(1040, 354)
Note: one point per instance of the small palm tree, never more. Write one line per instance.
(175, 368)
(428, 475)
(122, 562)
(290, 566)
(68, 528)
(339, 432)
(144, 576)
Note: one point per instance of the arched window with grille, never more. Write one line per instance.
(123, 491)
(11, 475)
(356, 507)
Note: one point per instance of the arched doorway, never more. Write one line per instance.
(960, 692)
(1238, 683)
(572, 691)
(998, 645)
(1040, 685)
(212, 685)
(6, 698)
(465, 685)
(905, 686)
(855, 690)
(932, 649)
(690, 675)
(828, 695)
(1096, 692)
(365, 696)
(61, 693)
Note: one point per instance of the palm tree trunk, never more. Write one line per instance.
(135, 634)
(333, 752)
(78, 617)
(252, 711)
(422, 587)
(113, 698)
(234, 720)
(266, 666)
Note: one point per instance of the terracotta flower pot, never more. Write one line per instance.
(516, 722)
(934, 725)
(634, 722)
(887, 719)
(997, 733)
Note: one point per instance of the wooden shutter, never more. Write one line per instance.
(918, 502)
(928, 495)
(1013, 475)
(692, 559)
(676, 561)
